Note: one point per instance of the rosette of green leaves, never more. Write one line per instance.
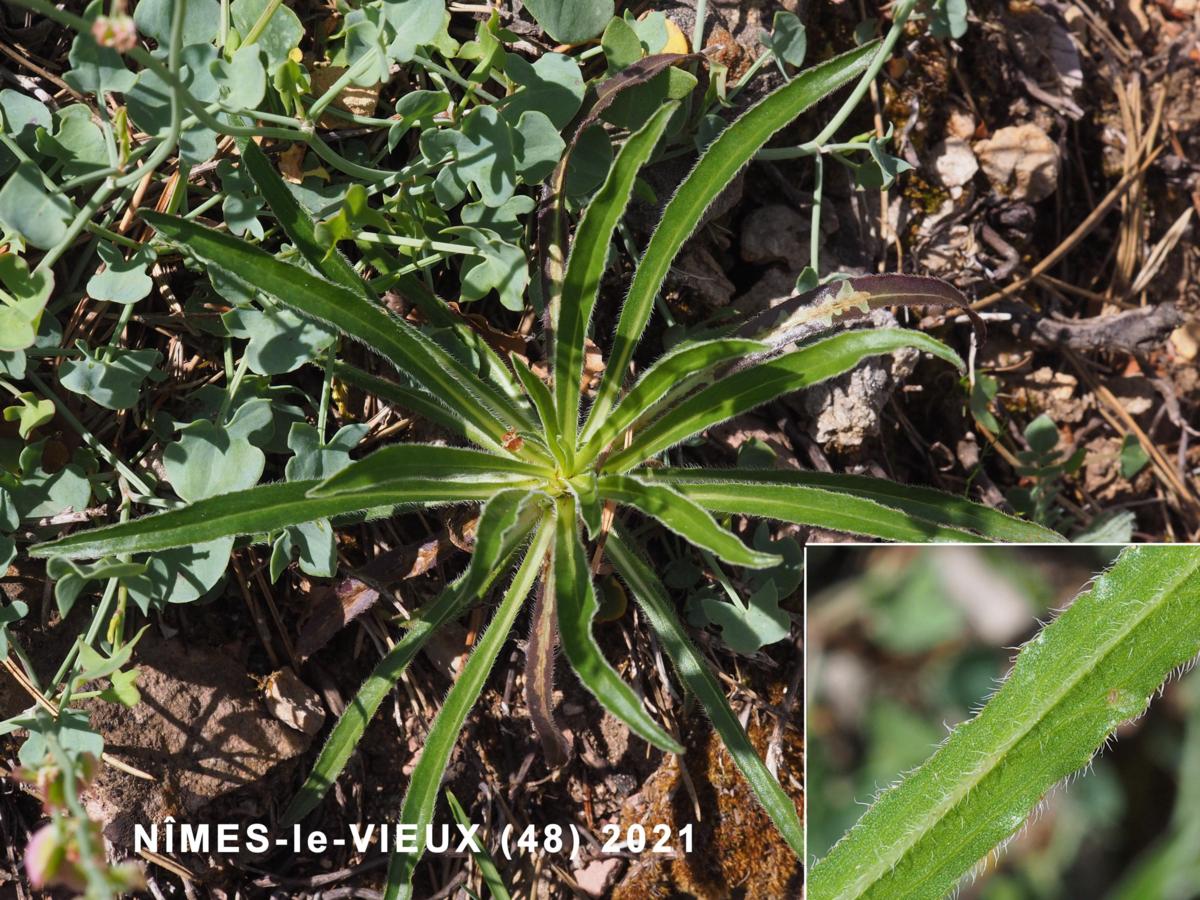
(542, 476)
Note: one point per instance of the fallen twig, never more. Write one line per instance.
(1132, 330)
(1083, 230)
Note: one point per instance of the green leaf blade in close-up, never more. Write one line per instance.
(1096, 666)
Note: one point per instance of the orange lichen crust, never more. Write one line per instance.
(737, 852)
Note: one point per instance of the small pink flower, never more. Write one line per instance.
(117, 32)
(43, 855)
(47, 863)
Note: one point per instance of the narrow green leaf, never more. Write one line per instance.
(584, 487)
(576, 599)
(259, 510)
(298, 225)
(585, 267)
(758, 384)
(419, 800)
(852, 503)
(504, 524)
(410, 351)
(483, 859)
(671, 372)
(717, 167)
(544, 404)
(652, 597)
(684, 517)
(414, 400)
(440, 315)
(401, 463)
(1096, 666)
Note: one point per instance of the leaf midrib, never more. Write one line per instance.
(892, 858)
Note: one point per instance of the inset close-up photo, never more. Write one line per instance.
(1003, 722)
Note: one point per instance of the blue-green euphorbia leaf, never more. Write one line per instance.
(283, 32)
(38, 493)
(787, 39)
(503, 219)
(123, 280)
(27, 207)
(30, 411)
(312, 459)
(415, 23)
(241, 81)
(745, 629)
(200, 20)
(71, 730)
(503, 268)
(484, 152)
(210, 459)
(12, 363)
(78, 144)
(149, 103)
(9, 613)
(112, 379)
(552, 85)
(180, 575)
(280, 339)
(70, 577)
(313, 543)
(537, 146)
(95, 69)
(23, 296)
(571, 21)
(23, 116)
